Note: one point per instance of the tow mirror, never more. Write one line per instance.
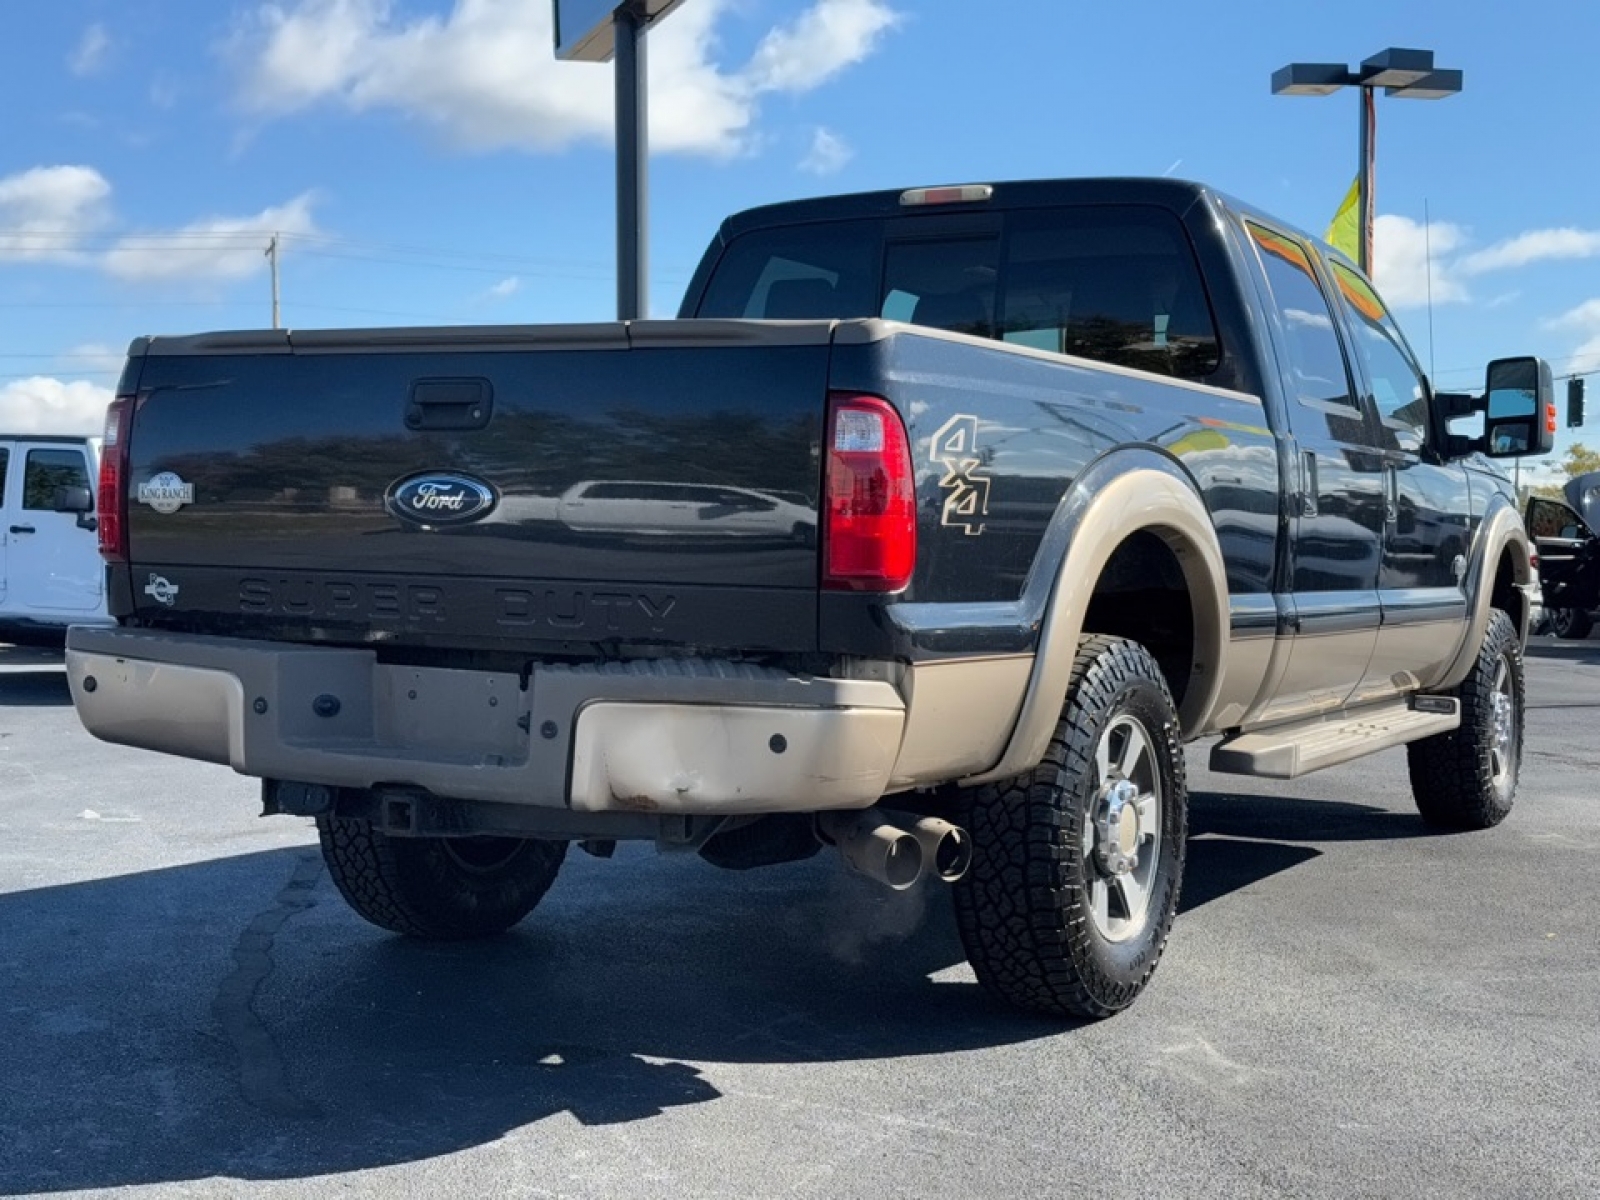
(73, 500)
(78, 500)
(1520, 408)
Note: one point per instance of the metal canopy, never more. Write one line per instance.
(1311, 79)
(585, 30)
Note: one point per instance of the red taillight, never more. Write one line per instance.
(111, 502)
(869, 537)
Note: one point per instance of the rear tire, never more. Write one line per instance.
(440, 889)
(1467, 778)
(1054, 916)
(1572, 624)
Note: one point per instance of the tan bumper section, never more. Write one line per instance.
(675, 736)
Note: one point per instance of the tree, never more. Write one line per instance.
(1579, 460)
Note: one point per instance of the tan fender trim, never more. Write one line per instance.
(1126, 492)
(1502, 529)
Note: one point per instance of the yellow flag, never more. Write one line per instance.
(1345, 231)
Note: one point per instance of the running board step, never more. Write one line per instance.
(1286, 751)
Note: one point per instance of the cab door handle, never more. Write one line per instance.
(22, 529)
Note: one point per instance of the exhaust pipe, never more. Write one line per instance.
(874, 847)
(946, 848)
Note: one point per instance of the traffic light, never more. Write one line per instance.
(1574, 403)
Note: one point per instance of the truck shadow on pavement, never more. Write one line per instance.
(1585, 654)
(1238, 840)
(231, 1018)
(32, 678)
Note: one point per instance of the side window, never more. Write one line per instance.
(48, 470)
(1397, 386)
(1550, 518)
(5, 455)
(1316, 360)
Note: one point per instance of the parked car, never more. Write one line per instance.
(1567, 536)
(51, 575)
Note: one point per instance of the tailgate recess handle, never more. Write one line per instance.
(449, 404)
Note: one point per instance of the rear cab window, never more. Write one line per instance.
(1117, 284)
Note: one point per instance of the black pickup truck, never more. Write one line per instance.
(932, 529)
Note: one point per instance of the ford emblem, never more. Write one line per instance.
(440, 498)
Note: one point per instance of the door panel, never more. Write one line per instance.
(1329, 596)
(5, 518)
(1566, 554)
(1427, 506)
(54, 564)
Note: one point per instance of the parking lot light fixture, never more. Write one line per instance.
(1402, 73)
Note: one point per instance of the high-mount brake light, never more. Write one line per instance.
(111, 500)
(869, 532)
(967, 193)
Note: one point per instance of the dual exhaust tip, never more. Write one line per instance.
(898, 849)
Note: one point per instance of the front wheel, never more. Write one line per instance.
(1077, 864)
(1467, 778)
(1571, 623)
(439, 889)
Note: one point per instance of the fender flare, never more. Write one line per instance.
(1502, 530)
(1128, 491)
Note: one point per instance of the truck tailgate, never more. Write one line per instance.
(646, 483)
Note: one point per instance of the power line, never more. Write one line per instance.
(383, 251)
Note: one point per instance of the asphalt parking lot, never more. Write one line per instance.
(1350, 1006)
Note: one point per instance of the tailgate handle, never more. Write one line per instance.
(449, 404)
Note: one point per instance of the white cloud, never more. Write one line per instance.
(90, 53)
(45, 212)
(827, 38)
(45, 405)
(485, 77)
(214, 248)
(829, 152)
(1585, 316)
(1584, 320)
(1537, 245)
(1401, 252)
(98, 358)
(50, 215)
(164, 93)
(506, 287)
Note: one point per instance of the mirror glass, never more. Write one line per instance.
(1513, 389)
(1512, 437)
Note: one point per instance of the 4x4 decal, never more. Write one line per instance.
(955, 448)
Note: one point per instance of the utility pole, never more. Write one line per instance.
(272, 257)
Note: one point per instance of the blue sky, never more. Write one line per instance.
(427, 161)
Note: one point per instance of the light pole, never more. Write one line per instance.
(1404, 74)
(597, 31)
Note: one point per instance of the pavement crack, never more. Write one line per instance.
(263, 1077)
